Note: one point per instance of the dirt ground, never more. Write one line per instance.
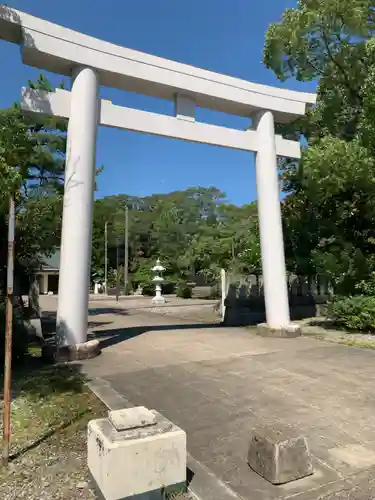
(48, 446)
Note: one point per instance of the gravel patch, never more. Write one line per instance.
(50, 411)
(54, 470)
(43, 402)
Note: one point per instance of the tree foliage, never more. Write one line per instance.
(328, 210)
(32, 163)
(328, 213)
(192, 231)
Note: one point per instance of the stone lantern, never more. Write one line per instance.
(158, 280)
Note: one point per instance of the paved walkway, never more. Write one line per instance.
(217, 383)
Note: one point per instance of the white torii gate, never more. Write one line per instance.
(90, 63)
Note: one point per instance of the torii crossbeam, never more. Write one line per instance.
(90, 63)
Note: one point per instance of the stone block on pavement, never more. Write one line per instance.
(279, 454)
(143, 460)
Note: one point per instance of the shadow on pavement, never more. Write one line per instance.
(94, 311)
(117, 335)
(49, 322)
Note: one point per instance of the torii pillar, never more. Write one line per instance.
(74, 280)
(271, 232)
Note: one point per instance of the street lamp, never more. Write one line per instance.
(105, 256)
(126, 253)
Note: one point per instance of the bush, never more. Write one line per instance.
(143, 276)
(184, 291)
(366, 287)
(168, 287)
(148, 289)
(354, 313)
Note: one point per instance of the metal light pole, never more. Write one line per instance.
(126, 258)
(117, 274)
(8, 334)
(106, 256)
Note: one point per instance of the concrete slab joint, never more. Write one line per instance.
(279, 454)
(136, 451)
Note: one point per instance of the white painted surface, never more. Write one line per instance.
(223, 280)
(169, 126)
(58, 104)
(271, 234)
(55, 103)
(137, 461)
(77, 213)
(58, 49)
(158, 298)
(184, 108)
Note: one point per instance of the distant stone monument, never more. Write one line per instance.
(158, 280)
(98, 287)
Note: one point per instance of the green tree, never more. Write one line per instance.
(15, 150)
(325, 40)
(164, 225)
(327, 213)
(32, 162)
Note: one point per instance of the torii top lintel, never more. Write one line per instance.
(48, 46)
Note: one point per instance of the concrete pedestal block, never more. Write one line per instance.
(86, 350)
(279, 455)
(287, 331)
(141, 462)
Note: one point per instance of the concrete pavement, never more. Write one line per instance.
(217, 383)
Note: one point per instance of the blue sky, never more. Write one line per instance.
(219, 35)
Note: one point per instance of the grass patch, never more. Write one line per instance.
(44, 401)
(50, 411)
(366, 344)
(34, 350)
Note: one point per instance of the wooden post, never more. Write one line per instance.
(8, 334)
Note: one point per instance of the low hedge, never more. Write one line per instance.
(354, 313)
(184, 291)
